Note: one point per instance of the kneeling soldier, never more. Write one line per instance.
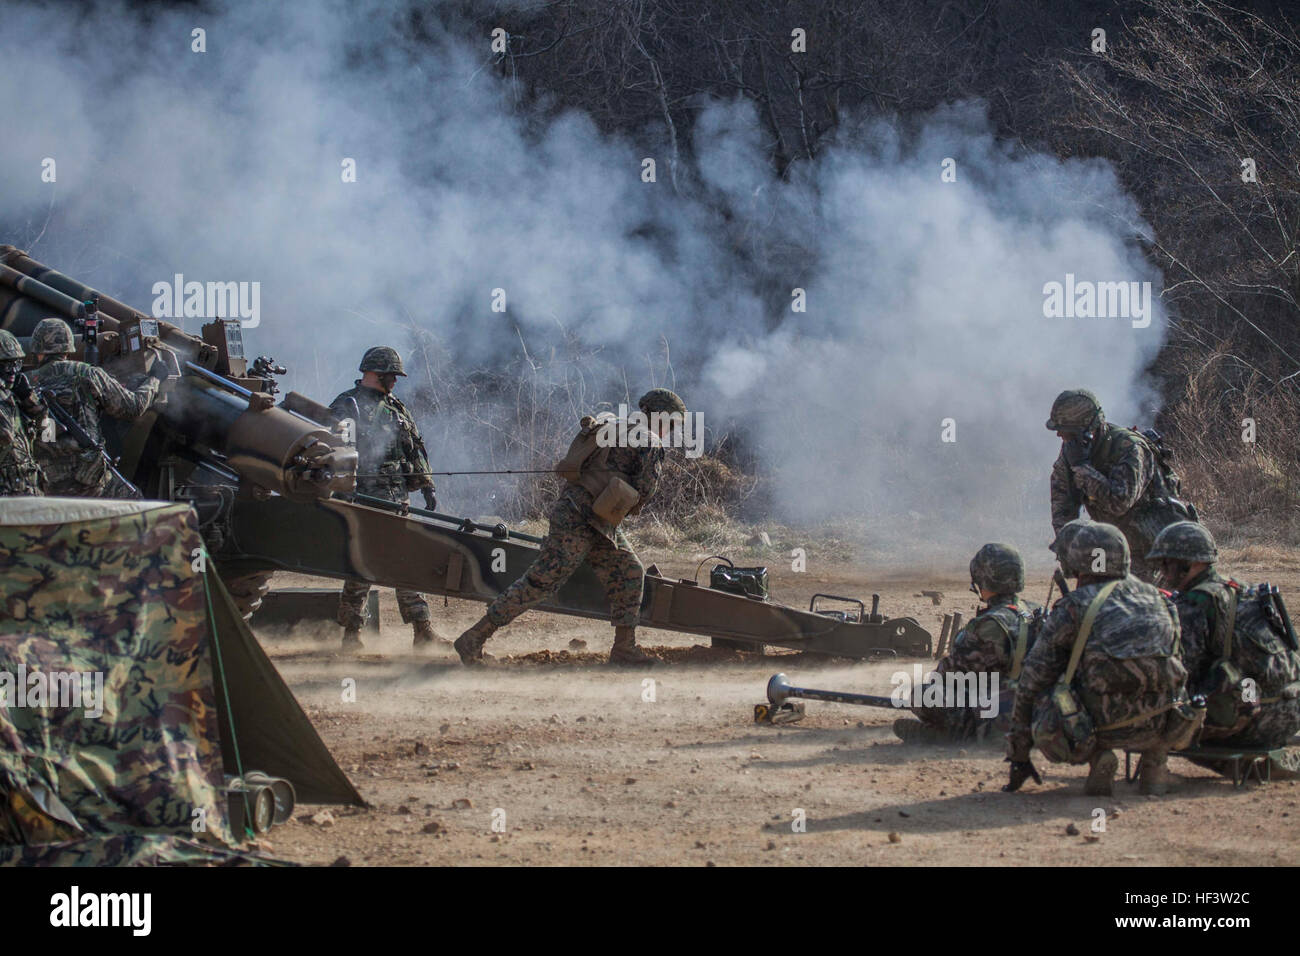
(994, 642)
(1235, 650)
(1109, 655)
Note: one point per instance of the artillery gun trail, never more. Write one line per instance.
(273, 485)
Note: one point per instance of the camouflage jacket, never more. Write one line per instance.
(1121, 473)
(637, 465)
(391, 458)
(1202, 616)
(87, 392)
(20, 473)
(1130, 664)
(987, 642)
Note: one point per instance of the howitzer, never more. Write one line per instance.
(80, 435)
(273, 486)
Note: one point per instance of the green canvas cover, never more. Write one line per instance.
(153, 690)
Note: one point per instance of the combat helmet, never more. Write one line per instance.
(661, 400)
(1082, 556)
(998, 568)
(11, 359)
(1075, 409)
(10, 347)
(1185, 541)
(1060, 545)
(52, 337)
(383, 360)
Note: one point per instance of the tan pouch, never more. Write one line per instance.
(615, 501)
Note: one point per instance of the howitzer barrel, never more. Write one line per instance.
(27, 283)
(779, 690)
(268, 446)
(21, 291)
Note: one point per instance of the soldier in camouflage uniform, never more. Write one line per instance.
(1188, 558)
(1129, 676)
(391, 463)
(576, 533)
(1114, 472)
(995, 641)
(87, 393)
(21, 415)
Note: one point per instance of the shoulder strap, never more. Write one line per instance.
(1085, 628)
(1022, 645)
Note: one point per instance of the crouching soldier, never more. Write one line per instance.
(604, 486)
(1105, 672)
(1235, 648)
(993, 643)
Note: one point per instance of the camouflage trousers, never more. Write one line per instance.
(570, 540)
(352, 605)
(968, 723)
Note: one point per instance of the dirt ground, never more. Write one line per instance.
(553, 758)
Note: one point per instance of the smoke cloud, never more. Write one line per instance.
(923, 298)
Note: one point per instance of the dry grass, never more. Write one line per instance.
(1247, 491)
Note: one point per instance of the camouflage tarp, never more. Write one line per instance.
(115, 732)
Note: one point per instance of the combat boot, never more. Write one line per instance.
(470, 644)
(625, 650)
(1101, 774)
(352, 639)
(425, 635)
(1153, 775)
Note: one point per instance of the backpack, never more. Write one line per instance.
(586, 463)
(1166, 484)
(1256, 643)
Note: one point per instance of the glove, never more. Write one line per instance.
(1021, 770)
(22, 389)
(430, 500)
(158, 371)
(1075, 451)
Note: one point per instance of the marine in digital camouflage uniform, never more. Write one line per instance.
(87, 393)
(1188, 558)
(576, 534)
(1130, 674)
(1113, 472)
(391, 463)
(21, 415)
(990, 643)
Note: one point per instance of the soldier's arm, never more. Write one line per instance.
(1196, 616)
(418, 458)
(1044, 664)
(1066, 500)
(118, 400)
(647, 479)
(1120, 489)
